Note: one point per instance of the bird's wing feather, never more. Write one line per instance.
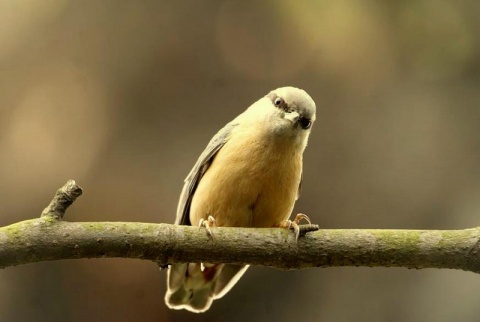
(299, 186)
(199, 169)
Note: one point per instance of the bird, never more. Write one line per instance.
(249, 175)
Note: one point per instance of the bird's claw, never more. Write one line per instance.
(294, 224)
(207, 224)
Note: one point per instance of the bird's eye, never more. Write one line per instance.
(305, 123)
(278, 101)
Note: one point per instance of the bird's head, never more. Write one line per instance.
(287, 113)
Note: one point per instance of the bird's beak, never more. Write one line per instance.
(292, 116)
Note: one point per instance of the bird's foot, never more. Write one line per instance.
(294, 224)
(207, 224)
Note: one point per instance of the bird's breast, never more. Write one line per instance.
(252, 182)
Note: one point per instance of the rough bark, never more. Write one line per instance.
(49, 238)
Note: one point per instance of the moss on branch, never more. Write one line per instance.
(49, 238)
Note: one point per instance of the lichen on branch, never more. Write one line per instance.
(48, 238)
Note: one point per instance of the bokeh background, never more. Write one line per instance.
(123, 96)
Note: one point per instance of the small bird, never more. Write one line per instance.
(249, 175)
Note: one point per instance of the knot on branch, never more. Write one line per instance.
(63, 198)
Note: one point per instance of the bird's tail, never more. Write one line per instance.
(193, 286)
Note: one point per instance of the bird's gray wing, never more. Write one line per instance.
(299, 187)
(199, 169)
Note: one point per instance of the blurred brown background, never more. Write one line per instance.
(123, 96)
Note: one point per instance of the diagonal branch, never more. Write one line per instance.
(63, 199)
(48, 238)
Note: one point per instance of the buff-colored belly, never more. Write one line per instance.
(248, 186)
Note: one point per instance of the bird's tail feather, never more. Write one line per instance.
(193, 286)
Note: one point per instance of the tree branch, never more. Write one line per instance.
(49, 238)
